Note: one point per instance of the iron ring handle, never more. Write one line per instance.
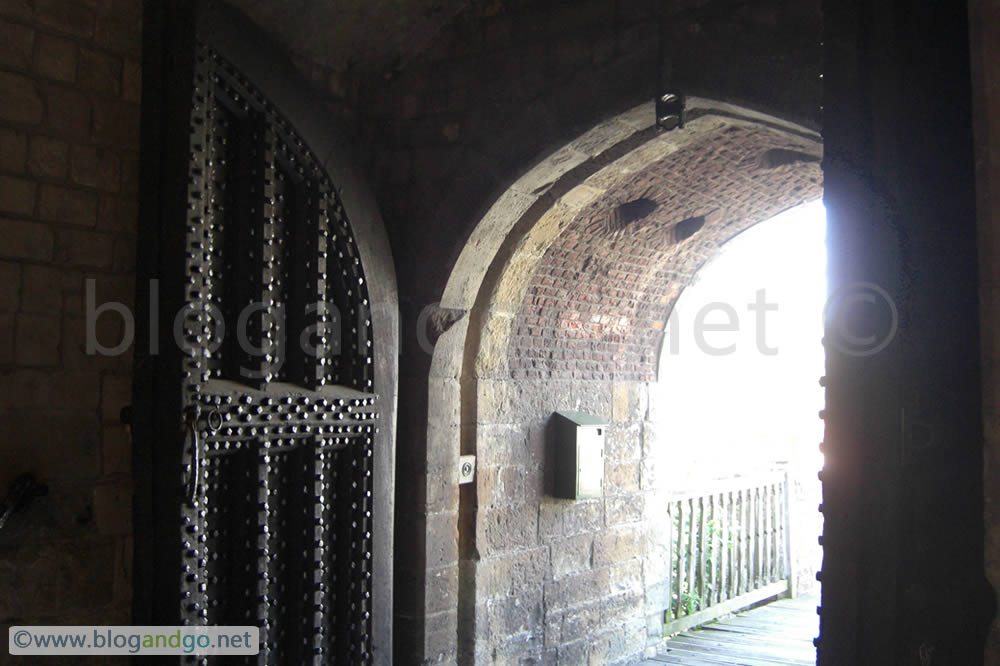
(214, 420)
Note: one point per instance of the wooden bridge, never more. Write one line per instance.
(730, 549)
(778, 633)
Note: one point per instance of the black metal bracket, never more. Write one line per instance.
(670, 111)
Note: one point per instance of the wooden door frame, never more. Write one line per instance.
(170, 32)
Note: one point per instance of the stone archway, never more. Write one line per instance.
(534, 576)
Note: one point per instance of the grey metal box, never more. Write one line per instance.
(579, 454)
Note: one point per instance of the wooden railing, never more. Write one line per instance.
(729, 548)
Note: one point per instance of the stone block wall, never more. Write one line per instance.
(69, 138)
(563, 581)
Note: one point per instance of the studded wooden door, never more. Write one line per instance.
(280, 412)
(277, 412)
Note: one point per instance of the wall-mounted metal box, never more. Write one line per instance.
(579, 454)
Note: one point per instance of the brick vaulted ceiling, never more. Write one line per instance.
(598, 302)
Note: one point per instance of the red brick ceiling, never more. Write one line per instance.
(597, 304)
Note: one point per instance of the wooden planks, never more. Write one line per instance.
(778, 633)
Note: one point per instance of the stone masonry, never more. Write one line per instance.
(70, 81)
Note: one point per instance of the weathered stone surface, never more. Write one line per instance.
(550, 518)
(132, 81)
(583, 516)
(55, 58)
(577, 589)
(581, 622)
(68, 112)
(10, 286)
(36, 341)
(124, 549)
(439, 637)
(25, 240)
(609, 646)
(506, 527)
(123, 256)
(623, 442)
(99, 71)
(22, 103)
(95, 167)
(17, 9)
(571, 555)
(113, 508)
(13, 150)
(6, 339)
(121, 31)
(87, 248)
(17, 195)
(442, 590)
(118, 213)
(573, 654)
(51, 139)
(42, 290)
(442, 540)
(441, 489)
(623, 509)
(116, 450)
(70, 449)
(107, 332)
(116, 122)
(62, 204)
(513, 615)
(510, 573)
(68, 579)
(16, 42)
(48, 157)
(66, 16)
(621, 477)
(116, 392)
(620, 545)
(624, 607)
(627, 577)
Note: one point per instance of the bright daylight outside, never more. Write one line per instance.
(736, 414)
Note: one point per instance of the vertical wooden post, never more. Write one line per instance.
(691, 551)
(741, 522)
(755, 503)
(681, 561)
(768, 527)
(724, 561)
(790, 566)
(782, 532)
(713, 594)
(670, 561)
(703, 553)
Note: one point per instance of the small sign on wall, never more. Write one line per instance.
(579, 459)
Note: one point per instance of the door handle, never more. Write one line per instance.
(191, 429)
